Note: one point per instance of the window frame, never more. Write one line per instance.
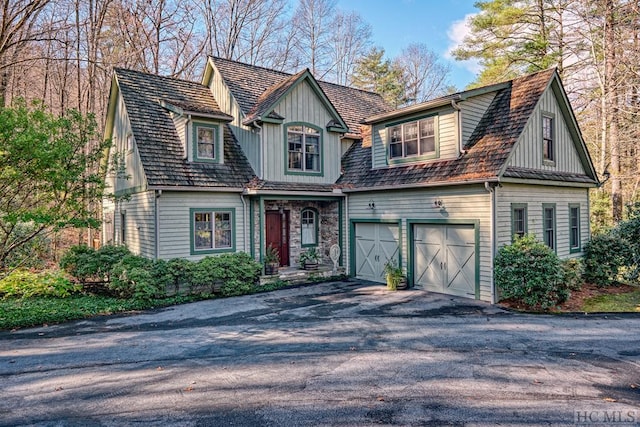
(577, 247)
(548, 143)
(514, 207)
(404, 158)
(554, 229)
(196, 125)
(212, 212)
(304, 171)
(316, 225)
(123, 227)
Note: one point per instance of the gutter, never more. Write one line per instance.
(156, 218)
(494, 236)
(461, 150)
(327, 194)
(409, 186)
(202, 189)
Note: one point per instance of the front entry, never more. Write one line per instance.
(277, 233)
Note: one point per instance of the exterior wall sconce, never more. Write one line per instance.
(439, 204)
(372, 204)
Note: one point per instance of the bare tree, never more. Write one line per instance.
(313, 31)
(350, 39)
(424, 75)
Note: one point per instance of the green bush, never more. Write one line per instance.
(235, 273)
(629, 230)
(133, 277)
(529, 272)
(572, 270)
(86, 264)
(26, 284)
(604, 257)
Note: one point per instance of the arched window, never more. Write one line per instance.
(309, 227)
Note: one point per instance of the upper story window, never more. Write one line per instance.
(548, 143)
(205, 142)
(303, 149)
(413, 139)
(309, 227)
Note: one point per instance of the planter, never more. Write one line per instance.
(310, 266)
(396, 282)
(271, 268)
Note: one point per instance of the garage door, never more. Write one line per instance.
(444, 258)
(375, 244)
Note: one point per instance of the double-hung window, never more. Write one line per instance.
(549, 225)
(309, 227)
(518, 220)
(548, 145)
(303, 149)
(205, 144)
(574, 228)
(212, 230)
(412, 139)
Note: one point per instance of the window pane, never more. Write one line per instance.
(519, 221)
(574, 236)
(411, 131)
(205, 142)
(308, 227)
(223, 229)
(411, 147)
(395, 150)
(549, 227)
(295, 160)
(295, 129)
(203, 232)
(427, 128)
(311, 131)
(395, 134)
(427, 145)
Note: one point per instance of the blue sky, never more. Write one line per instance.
(438, 24)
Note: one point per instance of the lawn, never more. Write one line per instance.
(613, 303)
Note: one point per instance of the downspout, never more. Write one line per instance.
(156, 218)
(492, 191)
(244, 222)
(461, 150)
(261, 175)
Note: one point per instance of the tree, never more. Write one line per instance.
(376, 74)
(46, 178)
(311, 21)
(425, 77)
(350, 38)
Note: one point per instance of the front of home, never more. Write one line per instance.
(252, 158)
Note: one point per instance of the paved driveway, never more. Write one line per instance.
(344, 353)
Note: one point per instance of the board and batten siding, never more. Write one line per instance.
(534, 196)
(301, 105)
(528, 150)
(139, 212)
(447, 134)
(133, 174)
(248, 140)
(470, 203)
(175, 220)
(180, 123)
(472, 110)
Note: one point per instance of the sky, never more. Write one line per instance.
(440, 24)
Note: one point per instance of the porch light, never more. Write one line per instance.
(372, 204)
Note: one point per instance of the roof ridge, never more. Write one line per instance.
(178, 79)
(284, 73)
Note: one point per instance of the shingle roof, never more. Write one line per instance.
(258, 184)
(486, 153)
(248, 83)
(271, 95)
(158, 144)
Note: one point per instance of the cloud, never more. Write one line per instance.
(456, 33)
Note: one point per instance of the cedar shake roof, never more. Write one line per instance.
(160, 149)
(251, 84)
(258, 184)
(486, 152)
(270, 96)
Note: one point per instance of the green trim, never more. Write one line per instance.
(288, 171)
(411, 253)
(195, 251)
(271, 120)
(217, 143)
(316, 223)
(261, 225)
(555, 225)
(352, 239)
(341, 230)
(252, 248)
(417, 158)
(515, 206)
(300, 198)
(578, 248)
(337, 129)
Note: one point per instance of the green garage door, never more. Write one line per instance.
(444, 258)
(375, 244)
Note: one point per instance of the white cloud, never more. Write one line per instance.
(456, 33)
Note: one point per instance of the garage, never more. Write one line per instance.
(445, 258)
(374, 244)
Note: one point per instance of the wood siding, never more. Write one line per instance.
(248, 140)
(135, 178)
(140, 223)
(175, 220)
(528, 150)
(534, 196)
(447, 134)
(469, 203)
(301, 105)
(472, 111)
(181, 129)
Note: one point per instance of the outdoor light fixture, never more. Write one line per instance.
(438, 203)
(372, 204)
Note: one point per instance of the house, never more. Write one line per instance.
(251, 158)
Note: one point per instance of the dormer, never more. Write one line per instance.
(200, 130)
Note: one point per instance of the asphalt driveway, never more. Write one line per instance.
(345, 353)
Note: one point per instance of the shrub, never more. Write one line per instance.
(572, 270)
(629, 231)
(26, 284)
(236, 273)
(132, 277)
(605, 255)
(85, 263)
(529, 272)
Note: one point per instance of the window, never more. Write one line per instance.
(549, 225)
(303, 146)
(212, 230)
(547, 139)
(574, 228)
(123, 226)
(518, 220)
(412, 139)
(309, 227)
(204, 136)
(129, 142)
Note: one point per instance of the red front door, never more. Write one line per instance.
(277, 233)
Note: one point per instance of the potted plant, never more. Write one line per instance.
(271, 260)
(309, 259)
(395, 276)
